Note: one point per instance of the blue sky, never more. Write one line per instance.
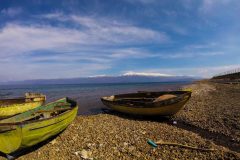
(64, 39)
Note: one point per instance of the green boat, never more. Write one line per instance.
(37, 125)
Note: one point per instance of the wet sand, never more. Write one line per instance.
(211, 119)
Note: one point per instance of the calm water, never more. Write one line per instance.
(87, 95)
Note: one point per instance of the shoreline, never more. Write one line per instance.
(210, 119)
(87, 96)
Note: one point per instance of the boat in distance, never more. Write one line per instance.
(166, 103)
(13, 106)
(37, 125)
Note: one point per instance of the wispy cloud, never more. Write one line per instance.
(178, 29)
(210, 45)
(192, 54)
(12, 11)
(208, 5)
(130, 53)
(90, 47)
(142, 1)
(132, 73)
(205, 72)
(112, 31)
(23, 71)
(95, 32)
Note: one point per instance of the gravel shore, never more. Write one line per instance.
(211, 119)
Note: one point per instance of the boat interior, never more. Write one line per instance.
(51, 110)
(146, 96)
(4, 102)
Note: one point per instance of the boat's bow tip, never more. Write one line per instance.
(108, 98)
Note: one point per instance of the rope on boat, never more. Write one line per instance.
(160, 142)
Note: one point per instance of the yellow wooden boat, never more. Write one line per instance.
(10, 107)
(36, 125)
(148, 103)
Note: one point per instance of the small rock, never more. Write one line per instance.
(53, 142)
(233, 140)
(89, 145)
(76, 153)
(85, 154)
(125, 143)
(131, 148)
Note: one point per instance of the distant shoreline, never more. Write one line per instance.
(109, 83)
(105, 80)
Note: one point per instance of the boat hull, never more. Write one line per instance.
(153, 109)
(37, 132)
(14, 137)
(167, 110)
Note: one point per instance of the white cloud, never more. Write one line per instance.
(131, 73)
(205, 72)
(190, 54)
(209, 45)
(142, 1)
(111, 30)
(139, 53)
(72, 57)
(23, 71)
(71, 52)
(130, 53)
(210, 5)
(95, 32)
(17, 39)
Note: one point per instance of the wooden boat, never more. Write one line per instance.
(10, 107)
(36, 125)
(148, 103)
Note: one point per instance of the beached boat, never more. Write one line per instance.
(148, 103)
(10, 107)
(36, 125)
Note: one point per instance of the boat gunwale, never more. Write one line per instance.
(28, 122)
(51, 123)
(19, 100)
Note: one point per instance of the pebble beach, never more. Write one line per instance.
(209, 120)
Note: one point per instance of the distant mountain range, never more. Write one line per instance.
(108, 79)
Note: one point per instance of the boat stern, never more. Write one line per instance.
(35, 97)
